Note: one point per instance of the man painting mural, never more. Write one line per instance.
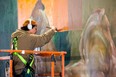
(27, 39)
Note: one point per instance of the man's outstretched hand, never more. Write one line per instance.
(56, 29)
(52, 27)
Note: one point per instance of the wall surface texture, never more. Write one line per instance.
(8, 24)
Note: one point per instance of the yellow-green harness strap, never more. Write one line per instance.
(19, 56)
(24, 61)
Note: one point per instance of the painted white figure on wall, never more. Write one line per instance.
(43, 64)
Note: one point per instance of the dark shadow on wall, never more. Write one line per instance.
(68, 41)
(62, 44)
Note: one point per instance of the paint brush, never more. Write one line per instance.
(59, 30)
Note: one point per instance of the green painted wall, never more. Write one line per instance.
(8, 21)
(8, 24)
(62, 44)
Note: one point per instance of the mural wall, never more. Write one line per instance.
(59, 13)
(70, 16)
(8, 24)
(90, 5)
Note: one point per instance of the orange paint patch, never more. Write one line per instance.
(25, 8)
(65, 28)
(64, 14)
(57, 13)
